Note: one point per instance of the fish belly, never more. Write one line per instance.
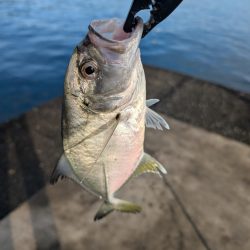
(123, 154)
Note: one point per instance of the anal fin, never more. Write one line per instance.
(149, 165)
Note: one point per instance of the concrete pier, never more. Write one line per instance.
(202, 203)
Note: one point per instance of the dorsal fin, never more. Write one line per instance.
(63, 169)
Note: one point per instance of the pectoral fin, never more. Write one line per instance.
(151, 102)
(149, 165)
(154, 120)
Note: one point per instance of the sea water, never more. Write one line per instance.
(206, 39)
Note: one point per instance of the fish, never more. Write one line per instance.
(104, 115)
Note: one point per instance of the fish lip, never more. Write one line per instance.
(115, 23)
(92, 30)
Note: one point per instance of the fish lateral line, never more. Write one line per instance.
(97, 131)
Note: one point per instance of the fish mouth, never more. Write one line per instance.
(109, 34)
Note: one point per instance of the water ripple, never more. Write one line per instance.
(207, 39)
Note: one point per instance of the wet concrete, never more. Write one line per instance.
(202, 204)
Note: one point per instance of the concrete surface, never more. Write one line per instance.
(201, 103)
(29, 148)
(202, 203)
(30, 144)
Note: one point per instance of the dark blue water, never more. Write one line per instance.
(207, 39)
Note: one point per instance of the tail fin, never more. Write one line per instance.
(118, 205)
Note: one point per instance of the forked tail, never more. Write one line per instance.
(116, 205)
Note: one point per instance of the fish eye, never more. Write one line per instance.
(89, 70)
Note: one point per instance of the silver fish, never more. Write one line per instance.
(104, 115)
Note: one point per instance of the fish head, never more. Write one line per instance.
(101, 73)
